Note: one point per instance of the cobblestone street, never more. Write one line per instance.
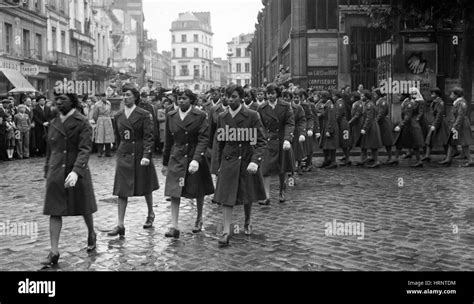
(414, 220)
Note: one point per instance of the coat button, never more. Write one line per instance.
(240, 157)
(185, 132)
(240, 145)
(64, 151)
(186, 144)
(64, 165)
(185, 156)
(133, 142)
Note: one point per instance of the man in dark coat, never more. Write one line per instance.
(184, 163)
(69, 190)
(279, 124)
(135, 173)
(41, 117)
(240, 180)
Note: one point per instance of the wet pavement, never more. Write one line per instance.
(413, 220)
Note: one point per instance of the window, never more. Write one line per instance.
(61, 6)
(183, 38)
(184, 71)
(174, 53)
(238, 51)
(38, 5)
(39, 46)
(247, 68)
(173, 38)
(26, 43)
(239, 82)
(322, 14)
(196, 87)
(63, 41)
(196, 38)
(239, 67)
(196, 52)
(174, 71)
(196, 71)
(247, 81)
(53, 38)
(8, 37)
(183, 53)
(52, 4)
(247, 53)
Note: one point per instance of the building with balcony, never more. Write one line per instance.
(192, 51)
(240, 60)
(23, 50)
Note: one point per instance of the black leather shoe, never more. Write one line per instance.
(92, 242)
(247, 229)
(445, 162)
(172, 232)
(117, 231)
(346, 163)
(149, 222)
(281, 197)
(471, 164)
(324, 164)
(394, 162)
(265, 202)
(426, 158)
(307, 169)
(374, 166)
(51, 259)
(224, 240)
(406, 156)
(417, 165)
(332, 166)
(361, 163)
(197, 227)
(342, 158)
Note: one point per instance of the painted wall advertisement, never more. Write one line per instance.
(322, 52)
(322, 78)
(421, 65)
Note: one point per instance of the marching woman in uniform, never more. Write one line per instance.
(411, 135)
(312, 128)
(135, 173)
(384, 122)
(214, 113)
(298, 143)
(240, 180)
(104, 132)
(357, 119)
(279, 125)
(343, 125)
(184, 163)
(439, 130)
(370, 132)
(69, 190)
(460, 130)
(330, 133)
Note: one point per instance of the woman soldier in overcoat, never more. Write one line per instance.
(135, 173)
(330, 133)
(299, 136)
(409, 128)
(460, 130)
(184, 163)
(370, 133)
(384, 122)
(279, 124)
(69, 190)
(214, 113)
(312, 129)
(357, 119)
(439, 130)
(240, 180)
(343, 125)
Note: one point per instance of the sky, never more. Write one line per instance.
(229, 18)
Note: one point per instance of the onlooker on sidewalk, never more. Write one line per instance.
(23, 124)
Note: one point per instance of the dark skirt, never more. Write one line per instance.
(277, 161)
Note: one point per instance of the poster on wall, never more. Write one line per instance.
(421, 65)
(322, 52)
(322, 78)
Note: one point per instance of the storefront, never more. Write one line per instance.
(12, 78)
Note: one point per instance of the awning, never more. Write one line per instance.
(18, 81)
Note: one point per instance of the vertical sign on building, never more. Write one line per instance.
(322, 63)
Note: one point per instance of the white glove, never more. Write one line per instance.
(397, 129)
(252, 168)
(193, 167)
(454, 130)
(286, 145)
(45, 124)
(318, 135)
(144, 162)
(362, 132)
(328, 134)
(302, 138)
(164, 171)
(71, 180)
(310, 133)
(433, 128)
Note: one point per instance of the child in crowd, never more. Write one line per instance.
(11, 128)
(23, 124)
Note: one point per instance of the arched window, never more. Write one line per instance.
(196, 87)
